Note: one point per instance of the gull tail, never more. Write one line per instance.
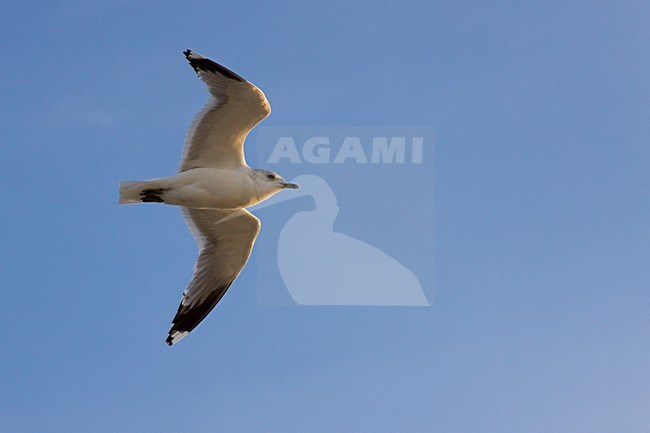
(140, 191)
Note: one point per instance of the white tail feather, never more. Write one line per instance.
(130, 191)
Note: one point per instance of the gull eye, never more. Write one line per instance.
(270, 176)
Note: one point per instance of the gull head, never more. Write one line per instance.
(268, 183)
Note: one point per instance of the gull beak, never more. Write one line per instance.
(289, 185)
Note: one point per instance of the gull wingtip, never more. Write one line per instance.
(175, 336)
(192, 55)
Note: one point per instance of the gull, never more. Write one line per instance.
(213, 188)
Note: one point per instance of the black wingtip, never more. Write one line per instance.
(169, 340)
(203, 64)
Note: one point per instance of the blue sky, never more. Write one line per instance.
(540, 318)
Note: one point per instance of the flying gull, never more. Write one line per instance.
(213, 187)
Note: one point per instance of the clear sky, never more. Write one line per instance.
(539, 321)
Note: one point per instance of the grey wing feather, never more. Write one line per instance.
(225, 239)
(216, 135)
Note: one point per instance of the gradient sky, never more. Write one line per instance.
(542, 219)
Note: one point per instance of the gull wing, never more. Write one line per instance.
(225, 239)
(216, 136)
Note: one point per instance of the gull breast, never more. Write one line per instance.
(211, 188)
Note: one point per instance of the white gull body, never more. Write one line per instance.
(214, 185)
